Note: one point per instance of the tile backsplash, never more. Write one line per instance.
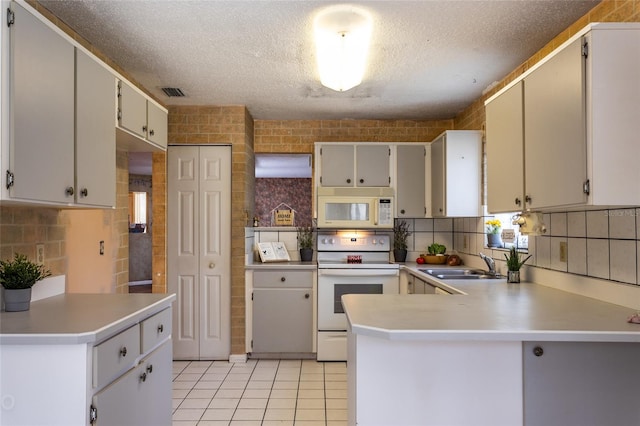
(602, 244)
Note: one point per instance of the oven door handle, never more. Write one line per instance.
(358, 272)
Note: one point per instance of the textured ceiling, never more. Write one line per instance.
(428, 59)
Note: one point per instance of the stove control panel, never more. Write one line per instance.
(353, 242)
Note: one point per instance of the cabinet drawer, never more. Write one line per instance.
(115, 356)
(154, 330)
(268, 279)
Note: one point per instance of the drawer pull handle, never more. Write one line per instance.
(283, 279)
(150, 368)
(160, 328)
(123, 351)
(143, 377)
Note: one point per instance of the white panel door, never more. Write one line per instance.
(215, 252)
(199, 247)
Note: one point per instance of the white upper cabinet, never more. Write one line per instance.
(95, 133)
(577, 122)
(505, 136)
(413, 180)
(456, 173)
(142, 125)
(40, 165)
(353, 165)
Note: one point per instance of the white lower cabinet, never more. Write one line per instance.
(142, 396)
(282, 312)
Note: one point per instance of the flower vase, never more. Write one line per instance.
(494, 240)
(513, 277)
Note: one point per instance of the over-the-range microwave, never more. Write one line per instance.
(355, 208)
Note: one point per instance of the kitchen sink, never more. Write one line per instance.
(460, 274)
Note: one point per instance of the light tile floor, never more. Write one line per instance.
(259, 393)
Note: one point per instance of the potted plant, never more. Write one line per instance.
(305, 243)
(436, 254)
(493, 233)
(17, 276)
(400, 235)
(514, 264)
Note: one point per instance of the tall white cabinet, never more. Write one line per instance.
(456, 173)
(199, 254)
(571, 122)
(413, 180)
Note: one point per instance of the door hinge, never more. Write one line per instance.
(251, 295)
(320, 179)
(586, 187)
(93, 414)
(119, 114)
(119, 89)
(320, 151)
(389, 152)
(10, 178)
(251, 343)
(389, 180)
(585, 49)
(11, 17)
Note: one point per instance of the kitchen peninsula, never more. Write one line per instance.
(499, 354)
(78, 359)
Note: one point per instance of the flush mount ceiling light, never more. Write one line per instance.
(342, 36)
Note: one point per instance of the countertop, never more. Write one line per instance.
(78, 318)
(282, 265)
(489, 310)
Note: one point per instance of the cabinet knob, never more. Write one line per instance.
(123, 351)
(440, 210)
(150, 368)
(152, 132)
(160, 328)
(84, 192)
(517, 201)
(143, 377)
(306, 296)
(144, 129)
(527, 199)
(69, 191)
(361, 180)
(348, 180)
(538, 351)
(212, 265)
(402, 211)
(283, 279)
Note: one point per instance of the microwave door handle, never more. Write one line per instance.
(376, 206)
(358, 272)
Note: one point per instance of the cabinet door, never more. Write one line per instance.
(555, 131)
(132, 110)
(42, 111)
(505, 152)
(95, 133)
(282, 320)
(372, 165)
(438, 177)
(157, 121)
(411, 180)
(575, 383)
(336, 165)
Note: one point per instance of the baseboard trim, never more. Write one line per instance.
(238, 358)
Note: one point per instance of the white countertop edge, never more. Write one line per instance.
(496, 335)
(309, 266)
(94, 336)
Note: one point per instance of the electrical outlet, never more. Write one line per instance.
(40, 254)
(563, 251)
(101, 248)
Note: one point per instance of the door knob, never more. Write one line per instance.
(212, 265)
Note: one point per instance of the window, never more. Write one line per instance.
(520, 241)
(138, 211)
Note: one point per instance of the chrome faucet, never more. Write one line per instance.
(491, 264)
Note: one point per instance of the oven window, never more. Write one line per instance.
(340, 289)
(346, 211)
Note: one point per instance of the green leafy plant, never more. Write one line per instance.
(513, 260)
(21, 273)
(305, 237)
(400, 235)
(436, 248)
